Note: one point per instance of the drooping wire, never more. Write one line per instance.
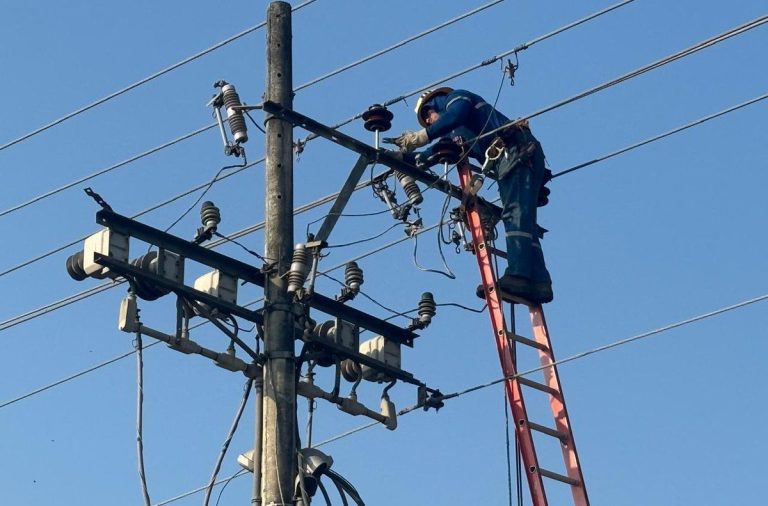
(226, 482)
(142, 81)
(238, 243)
(207, 188)
(140, 418)
(227, 441)
(507, 445)
(448, 273)
(382, 306)
(367, 239)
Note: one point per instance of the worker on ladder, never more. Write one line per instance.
(514, 157)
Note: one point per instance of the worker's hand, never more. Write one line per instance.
(408, 141)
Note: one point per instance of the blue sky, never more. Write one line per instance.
(652, 237)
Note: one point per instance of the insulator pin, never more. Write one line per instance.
(427, 308)
(410, 188)
(353, 276)
(144, 290)
(446, 151)
(235, 116)
(210, 216)
(377, 118)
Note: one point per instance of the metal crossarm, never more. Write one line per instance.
(514, 384)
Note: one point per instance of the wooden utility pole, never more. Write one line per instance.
(279, 427)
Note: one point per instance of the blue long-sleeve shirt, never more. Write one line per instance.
(466, 114)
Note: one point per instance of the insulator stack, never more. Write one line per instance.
(235, 116)
(353, 276)
(210, 216)
(427, 308)
(299, 268)
(144, 290)
(75, 267)
(446, 151)
(410, 187)
(377, 118)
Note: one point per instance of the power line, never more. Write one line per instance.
(484, 63)
(137, 215)
(562, 361)
(100, 288)
(497, 381)
(642, 70)
(142, 81)
(662, 136)
(213, 125)
(397, 45)
(106, 170)
(616, 344)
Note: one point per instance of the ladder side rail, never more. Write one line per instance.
(557, 404)
(496, 313)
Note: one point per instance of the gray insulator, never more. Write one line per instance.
(353, 276)
(299, 268)
(236, 118)
(75, 267)
(410, 187)
(427, 307)
(210, 216)
(146, 290)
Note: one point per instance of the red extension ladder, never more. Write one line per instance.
(515, 386)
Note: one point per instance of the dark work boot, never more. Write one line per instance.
(515, 289)
(542, 292)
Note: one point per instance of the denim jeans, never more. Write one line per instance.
(519, 184)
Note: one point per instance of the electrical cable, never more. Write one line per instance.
(227, 441)
(137, 215)
(449, 274)
(642, 70)
(507, 447)
(324, 491)
(140, 417)
(218, 498)
(142, 81)
(241, 472)
(115, 359)
(207, 188)
(73, 376)
(237, 243)
(661, 136)
(382, 306)
(481, 310)
(361, 185)
(368, 239)
(389, 102)
(397, 45)
(558, 362)
(488, 61)
(106, 170)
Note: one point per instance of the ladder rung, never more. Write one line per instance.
(546, 430)
(538, 386)
(527, 342)
(558, 477)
